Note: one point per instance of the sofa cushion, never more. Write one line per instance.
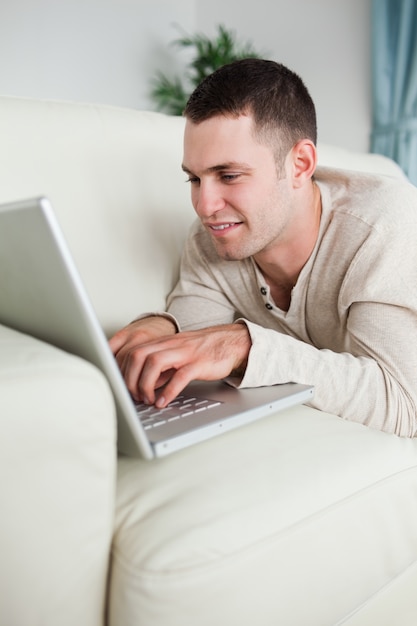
(309, 514)
(57, 483)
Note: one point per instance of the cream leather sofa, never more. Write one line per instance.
(301, 519)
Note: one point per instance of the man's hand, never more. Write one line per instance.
(127, 340)
(149, 361)
(141, 331)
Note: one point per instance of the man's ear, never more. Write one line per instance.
(303, 162)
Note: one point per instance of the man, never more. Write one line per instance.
(291, 273)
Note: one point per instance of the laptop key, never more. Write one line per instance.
(182, 406)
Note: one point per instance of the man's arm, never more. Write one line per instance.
(151, 353)
(373, 381)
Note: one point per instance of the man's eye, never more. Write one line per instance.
(193, 180)
(228, 178)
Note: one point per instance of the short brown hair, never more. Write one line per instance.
(276, 97)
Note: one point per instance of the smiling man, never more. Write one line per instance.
(291, 272)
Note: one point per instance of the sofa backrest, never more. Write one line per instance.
(114, 178)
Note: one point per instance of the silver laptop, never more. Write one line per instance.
(42, 295)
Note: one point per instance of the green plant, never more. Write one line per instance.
(171, 95)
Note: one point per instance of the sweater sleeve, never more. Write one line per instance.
(374, 391)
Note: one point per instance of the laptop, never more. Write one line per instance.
(42, 294)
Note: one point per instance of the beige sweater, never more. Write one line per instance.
(351, 329)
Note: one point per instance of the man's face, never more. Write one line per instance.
(235, 189)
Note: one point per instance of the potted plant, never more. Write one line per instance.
(171, 95)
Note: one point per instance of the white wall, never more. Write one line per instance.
(102, 51)
(108, 50)
(327, 42)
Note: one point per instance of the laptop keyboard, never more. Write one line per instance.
(182, 406)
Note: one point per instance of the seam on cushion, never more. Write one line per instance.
(377, 593)
(262, 544)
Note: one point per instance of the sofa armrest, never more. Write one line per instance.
(57, 484)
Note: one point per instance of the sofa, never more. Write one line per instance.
(300, 519)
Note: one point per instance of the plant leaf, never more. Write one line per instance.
(209, 55)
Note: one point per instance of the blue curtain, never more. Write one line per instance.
(394, 82)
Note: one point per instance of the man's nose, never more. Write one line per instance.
(208, 199)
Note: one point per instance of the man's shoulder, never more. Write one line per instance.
(363, 181)
(376, 199)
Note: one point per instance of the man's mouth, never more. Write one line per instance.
(220, 228)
